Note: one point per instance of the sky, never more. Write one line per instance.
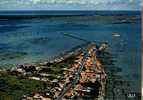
(70, 4)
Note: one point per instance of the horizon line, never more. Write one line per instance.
(68, 10)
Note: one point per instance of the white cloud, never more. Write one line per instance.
(36, 1)
(87, 4)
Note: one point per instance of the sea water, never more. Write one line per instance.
(41, 36)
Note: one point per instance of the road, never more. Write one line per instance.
(76, 78)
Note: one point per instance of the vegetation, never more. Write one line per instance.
(13, 88)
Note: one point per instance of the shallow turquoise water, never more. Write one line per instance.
(32, 40)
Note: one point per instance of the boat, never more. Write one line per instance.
(116, 35)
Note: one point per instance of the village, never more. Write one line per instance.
(82, 76)
(84, 73)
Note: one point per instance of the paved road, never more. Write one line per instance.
(76, 78)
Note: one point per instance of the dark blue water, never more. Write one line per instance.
(37, 39)
(63, 13)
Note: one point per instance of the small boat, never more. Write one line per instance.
(116, 35)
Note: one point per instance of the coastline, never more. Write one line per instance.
(52, 59)
(111, 90)
(29, 71)
(127, 44)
